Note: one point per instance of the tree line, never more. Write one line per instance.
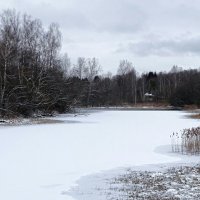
(35, 78)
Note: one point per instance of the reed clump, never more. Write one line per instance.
(187, 141)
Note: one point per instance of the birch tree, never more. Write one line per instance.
(9, 43)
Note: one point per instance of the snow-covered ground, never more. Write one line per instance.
(42, 162)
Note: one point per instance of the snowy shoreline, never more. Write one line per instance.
(142, 182)
(39, 120)
(174, 181)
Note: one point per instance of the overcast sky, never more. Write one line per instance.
(153, 34)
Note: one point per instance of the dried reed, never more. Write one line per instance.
(187, 141)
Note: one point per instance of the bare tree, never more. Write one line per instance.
(92, 69)
(128, 81)
(9, 43)
(79, 69)
(66, 64)
(124, 67)
(52, 45)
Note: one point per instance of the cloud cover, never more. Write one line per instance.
(159, 47)
(147, 32)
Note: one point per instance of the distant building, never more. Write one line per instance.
(148, 97)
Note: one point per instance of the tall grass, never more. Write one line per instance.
(187, 141)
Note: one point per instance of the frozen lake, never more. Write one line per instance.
(41, 162)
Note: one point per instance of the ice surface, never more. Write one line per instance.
(42, 162)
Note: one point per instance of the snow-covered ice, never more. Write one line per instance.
(42, 162)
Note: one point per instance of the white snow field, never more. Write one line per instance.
(42, 162)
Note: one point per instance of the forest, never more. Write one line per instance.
(35, 77)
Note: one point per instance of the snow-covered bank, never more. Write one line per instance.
(44, 161)
(135, 182)
(28, 121)
(170, 181)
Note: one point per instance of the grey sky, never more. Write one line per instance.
(153, 34)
